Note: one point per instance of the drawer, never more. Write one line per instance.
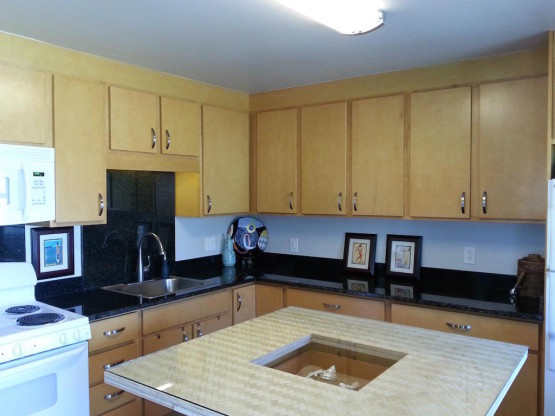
(214, 324)
(188, 310)
(112, 332)
(118, 355)
(165, 339)
(516, 332)
(364, 308)
(104, 398)
(130, 409)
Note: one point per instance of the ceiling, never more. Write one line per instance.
(258, 45)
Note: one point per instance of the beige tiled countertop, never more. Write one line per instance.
(441, 374)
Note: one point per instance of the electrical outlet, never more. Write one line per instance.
(294, 245)
(209, 244)
(469, 255)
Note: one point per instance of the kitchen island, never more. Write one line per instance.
(437, 373)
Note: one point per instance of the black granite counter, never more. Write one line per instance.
(480, 293)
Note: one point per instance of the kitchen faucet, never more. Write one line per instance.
(140, 268)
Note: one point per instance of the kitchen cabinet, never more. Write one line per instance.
(244, 304)
(225, 146)
(276, 162)
(133, 121)
(440, 150)
(512, 150)
(24, 106)
(522, 397)
(79, 139)
(112, 342)
(324, 159)
(377, 169)
(180, 121)
(328, 302)
(268, 298)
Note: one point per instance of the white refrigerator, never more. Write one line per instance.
(549, 319)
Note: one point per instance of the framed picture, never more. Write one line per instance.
(52, 251)
(357, 285)
(359, 253)
(403, 255)
(401, 291)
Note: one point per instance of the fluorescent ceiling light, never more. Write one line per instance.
(350, 17)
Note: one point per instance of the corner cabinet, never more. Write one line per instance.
(225, 167)
(79, 139)
(440, 151)
(512, 150)
(378, 156)
(324, 159)
(276, 162)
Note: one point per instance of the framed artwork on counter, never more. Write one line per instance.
(52, 252)
(403, 254)
(359, 253)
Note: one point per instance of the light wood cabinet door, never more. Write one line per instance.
(24, 110)
(79, 139)
(225, 147)
(165, 339)
(276, 162)
(344, 305)
(512, 159)
(133, 121)
(440, 139)
(268, 299)
(104, 360)
(378, 156)
(112, 332)
(244, 304)
(323, 159)
(104, 398)
(180, 133)
(207, 326)
(522, 397)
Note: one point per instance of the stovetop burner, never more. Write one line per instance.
(22, 309)
(39, 319)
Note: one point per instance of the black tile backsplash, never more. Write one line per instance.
(12, 243)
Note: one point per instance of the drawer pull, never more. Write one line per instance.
(113, 332)
(199, 331)
(113, 395)
(332, 306)
(459, 327)
(107, 366)
(185, 337)
(239, 302)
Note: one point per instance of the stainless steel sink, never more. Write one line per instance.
(150, 289)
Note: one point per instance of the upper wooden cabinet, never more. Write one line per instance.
(440, 149)
(225, 145)
(512, 150)
(323, 159)
(24, 108)
(378, 156)
(276, 161)
(79, 139)
(133, 121)
(180, 131)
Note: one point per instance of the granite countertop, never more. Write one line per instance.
(441, 374)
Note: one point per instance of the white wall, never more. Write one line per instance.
(498, 245)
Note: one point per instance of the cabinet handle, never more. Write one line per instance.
(209, 203)
(291, 201)
(199, 331)
(239, 302)
(185, 337)
(355, 196)
(100, 205)
(339, 197)
(485, 202)
(113, 332)
(107, 366)
(168, 139)
(153, 137)
(113, 395)
(459, 327)
(463, 198)
(332, 306)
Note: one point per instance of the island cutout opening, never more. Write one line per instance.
(332, 361)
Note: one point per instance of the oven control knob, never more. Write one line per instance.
(17, 351)
(77, 335)
(63, 338)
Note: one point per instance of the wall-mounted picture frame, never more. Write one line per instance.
(359, 254)
(401, 291)
(52, 252)
(357, 285)
(403, 254)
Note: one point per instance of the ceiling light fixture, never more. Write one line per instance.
(350, 17)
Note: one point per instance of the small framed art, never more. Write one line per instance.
(403, 255)
(357, 285)
(52, 251)
(359, 254)
(401, 291)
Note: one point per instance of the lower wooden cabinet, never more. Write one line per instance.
(345, 305)
(244, 304)
(268, 299)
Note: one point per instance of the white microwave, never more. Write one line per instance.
(27, 185)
